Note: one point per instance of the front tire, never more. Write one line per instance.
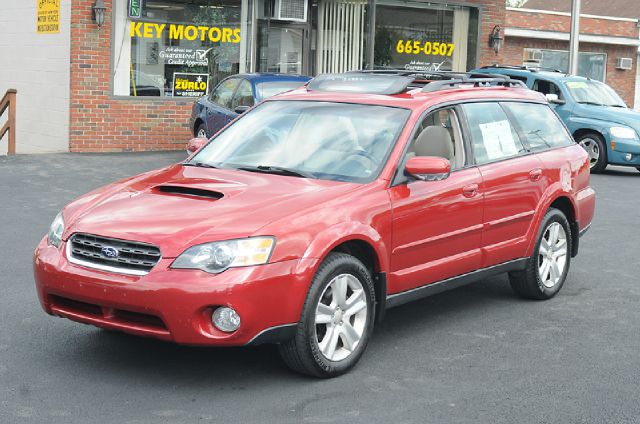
(547, 267)
(337, 319)
(597, 150)
(201, 131)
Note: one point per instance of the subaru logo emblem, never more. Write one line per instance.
(110, 252)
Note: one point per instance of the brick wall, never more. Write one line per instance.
(99, 123)
(624, 82)
(562, 23)
(492, 13)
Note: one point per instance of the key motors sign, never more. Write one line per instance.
(135, 8)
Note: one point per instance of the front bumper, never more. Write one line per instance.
(175, 305)
(619, 149)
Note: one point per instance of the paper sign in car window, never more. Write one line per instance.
(498, 140)
(577, 84)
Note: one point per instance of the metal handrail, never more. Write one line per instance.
(9, 102)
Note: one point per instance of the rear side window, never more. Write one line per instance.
(492, 136)
(541, 127)
(546, 87)
(224, 92)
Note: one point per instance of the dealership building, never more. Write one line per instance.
(121, 75)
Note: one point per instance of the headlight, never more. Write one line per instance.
(54, 237)
(622, 132)
(219, 256)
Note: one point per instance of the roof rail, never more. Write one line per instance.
(524, 68)
(492, 81)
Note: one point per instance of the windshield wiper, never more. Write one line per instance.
(199, 165)
(275, 170)
(591, 103)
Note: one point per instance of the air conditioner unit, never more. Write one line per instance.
(531, 55)
(625, 63)
(291, 10)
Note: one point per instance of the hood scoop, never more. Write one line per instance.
(189, 192)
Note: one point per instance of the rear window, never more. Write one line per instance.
(270, 89)
(541, 127)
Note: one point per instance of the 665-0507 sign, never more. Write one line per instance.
(428, 48)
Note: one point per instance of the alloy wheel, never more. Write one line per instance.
(202, 133)
(552, 255)
(593, 149)
(341, 317)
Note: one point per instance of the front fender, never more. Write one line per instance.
(331, 237)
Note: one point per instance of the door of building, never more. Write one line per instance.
(282, 47)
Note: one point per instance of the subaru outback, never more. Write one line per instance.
(307, 217)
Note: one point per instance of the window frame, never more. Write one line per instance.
(516, 128)
(525, 138)
(233, 92)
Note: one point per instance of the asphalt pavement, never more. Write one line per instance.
(477, 354)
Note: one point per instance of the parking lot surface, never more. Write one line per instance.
(477, 354)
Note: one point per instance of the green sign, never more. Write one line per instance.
(135, 8)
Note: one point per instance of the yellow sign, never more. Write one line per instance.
(48, 17)
(185, 32)
(428, 48)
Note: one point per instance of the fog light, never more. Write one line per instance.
(226, 319)
(628, 157)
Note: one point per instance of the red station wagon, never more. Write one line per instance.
(306, 218)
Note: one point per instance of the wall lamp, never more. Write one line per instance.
(98, 12)
(496, 38)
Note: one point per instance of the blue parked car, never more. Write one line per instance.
(595, 114)
(234, 95)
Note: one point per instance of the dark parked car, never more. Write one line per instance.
(235, 95)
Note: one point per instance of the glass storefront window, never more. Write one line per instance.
(177, 48)
(590, 65)
(424, 37)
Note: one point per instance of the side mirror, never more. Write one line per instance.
(554, 99)
(241, 109)
(196, 144)
(428, 168)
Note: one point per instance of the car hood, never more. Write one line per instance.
(628, 117)
(182, 206)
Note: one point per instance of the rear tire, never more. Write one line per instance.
(597, 150)
(337, 319)
(548, 265)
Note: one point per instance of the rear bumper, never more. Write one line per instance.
(175, 305)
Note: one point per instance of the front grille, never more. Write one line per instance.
(109, 254)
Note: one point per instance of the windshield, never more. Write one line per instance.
(332, 141)
(270, 89)
(594, 93)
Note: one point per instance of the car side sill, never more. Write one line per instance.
(454, 282)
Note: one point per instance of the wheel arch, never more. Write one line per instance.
(196, 124)
(564, 202)
(365, 244)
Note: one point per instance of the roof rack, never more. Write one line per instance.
(490, 81)
(397, 81)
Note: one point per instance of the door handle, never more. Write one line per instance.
(535, 175)
(470, 190)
